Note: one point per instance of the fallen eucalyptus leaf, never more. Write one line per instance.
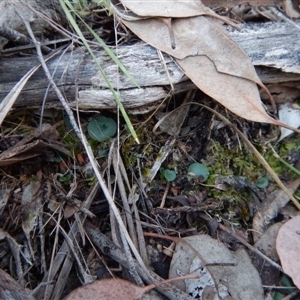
(116, 289)
(231, 272)
(288, 248)
(205, 52)
(170, 8)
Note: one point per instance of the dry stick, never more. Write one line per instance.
(59, 28)
(181, 240)
(15, 249)
(88, 149)
(86, 277)
(42, 245)
(124, 198)
(163, 200)
(62, 255)
(245, 243)
(138, 228)
(54, 261)
(67, 265)
(115, 229)
(19, 38)
(26, 47)
(114, 252)
(129, 219)
(201, 258)
(115, 159)
(48, 87)
(292, 296)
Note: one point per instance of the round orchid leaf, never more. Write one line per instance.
(101, 129)
(169, 175)
(197, 170)
(262, 182)
(103, 152)
(185, 130)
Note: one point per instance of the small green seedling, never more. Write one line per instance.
(65, 179)
(185, 130)
(169, 175)
(101, 129)
(262, 182)
(103, 152)
(197, 170)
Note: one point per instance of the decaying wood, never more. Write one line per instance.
(12, 12)
(231, 3)
(274, 48)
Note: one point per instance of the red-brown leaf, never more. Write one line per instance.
(288, 248)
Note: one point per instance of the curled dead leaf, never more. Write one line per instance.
(113, 289)
(116, 289)
(205, 52)
(288, 248)
(170, 9)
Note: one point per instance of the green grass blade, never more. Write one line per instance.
(110, 53)
(64, 4)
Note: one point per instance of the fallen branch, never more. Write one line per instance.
(274, 48)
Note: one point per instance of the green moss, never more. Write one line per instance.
(172, 165)
(146, 151)
(225, 162)
(146, 172)
(282, 150)
(222, 161)
(159, 155)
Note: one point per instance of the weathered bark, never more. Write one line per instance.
(231, 3)
(12, 13)
(274, 48)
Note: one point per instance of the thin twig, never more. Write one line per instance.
(19, 38)
(105, 245)
(87, 147)
(62, 253)
(292, 296)
(245, 243)
(163, 200)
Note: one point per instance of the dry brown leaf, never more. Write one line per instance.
(19, 158)
(193, 37)
(239, 95)
(288, 248)
(206, 53)
(170, 8)
(113, 289)
(214, 253)
(291, 8)
(31, 202)
(116, 289)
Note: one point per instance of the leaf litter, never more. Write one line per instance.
(205, 54)
(288, 248)
(116, 288)
(218, 267)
